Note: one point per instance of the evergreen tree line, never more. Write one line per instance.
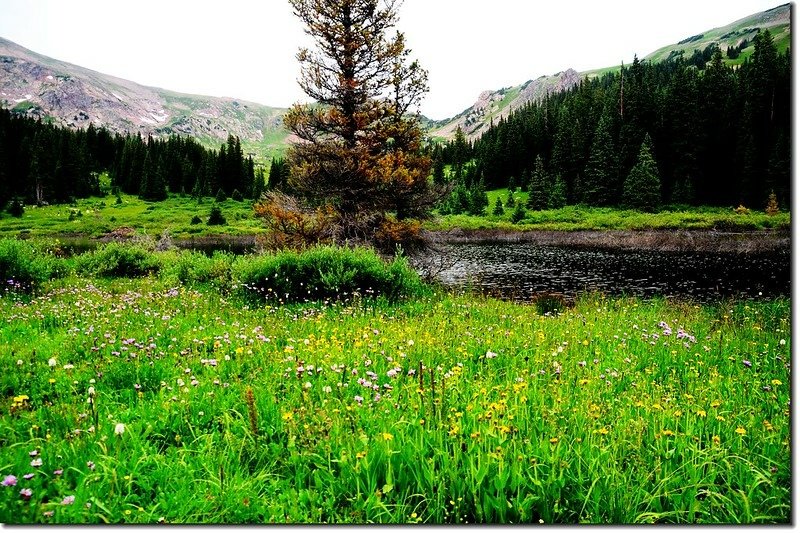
(41, 163)
(680, 131)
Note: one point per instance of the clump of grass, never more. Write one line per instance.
(118, 260)
(325, 273)
(24, 266)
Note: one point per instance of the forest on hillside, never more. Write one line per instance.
(42, 163)
(717, 135)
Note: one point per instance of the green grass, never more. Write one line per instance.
(148, 400)
(99, 216)
(573, 218)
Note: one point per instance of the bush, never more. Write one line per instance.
(237, 196)
(16, 208)
(518, 214)
(216, 218)
(22, 266)
(324, 273)
(195, 268)
(221, 196)
(196, 220)
(117, 260)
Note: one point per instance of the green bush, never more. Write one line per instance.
(216, 218)
(237, 196)
(195, 268)
(117, 260)
(16, 208)
(324, 273)
(22, 266)
(196, 220)
(221, 196)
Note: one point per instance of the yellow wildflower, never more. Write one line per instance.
(387, 436)
(554, 440)
(777, 382)
(741, 431)
(667, 433)
(715, 439)
(701, 413)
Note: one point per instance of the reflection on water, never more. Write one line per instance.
(520, 270)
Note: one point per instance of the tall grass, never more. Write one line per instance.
(148, 401)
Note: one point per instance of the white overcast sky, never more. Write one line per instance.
(246, 48)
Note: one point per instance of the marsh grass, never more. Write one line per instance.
(436, 409)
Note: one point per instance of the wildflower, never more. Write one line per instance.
(28, 476)
(720, 418)
(9, 481)
(554, 440)
(581, 363)
(387, 436)
(307, 385)
(715, 439)
(26, 494)
(119, 429)
(51, 381)
(747, 363)
(288, 415)
(90, 465)
(490, 355)
(48, 514)
(777, 382)
(68, 500)
(701, 413)
(716, 403)
(58, 472)
(602, 431)
(51, 362)
(36, 463)
(668, 433)
(327, 389)
(741, 431)
(359, 399)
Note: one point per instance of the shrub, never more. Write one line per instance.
(216, 218)
(22, 266)
(741, 210)
(772, 205)
(16, 208)
(324, 273)
(117, 260)
(196, 220)
(237, 196)
(195, 268)
(221, 196)
(518, 214)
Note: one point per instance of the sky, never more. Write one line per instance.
(246, 48)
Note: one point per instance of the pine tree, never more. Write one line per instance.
(538, 191)
(498, 207)
(478, 199)
(510, 200)
(599, 183)
(642, 189)
(518, 214)
(362, 156)
(558, 194)
(153, 188)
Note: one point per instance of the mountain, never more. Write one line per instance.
(491, 106)
(75, 97)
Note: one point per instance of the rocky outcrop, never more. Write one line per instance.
(491, 106)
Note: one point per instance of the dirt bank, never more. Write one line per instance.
(660, 240)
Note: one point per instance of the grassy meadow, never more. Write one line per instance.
(165, 391)
(96, 217)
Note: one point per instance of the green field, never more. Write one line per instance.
(155, 400)
(95, 217)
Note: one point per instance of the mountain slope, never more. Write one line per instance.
(493, 105)
(75, 97)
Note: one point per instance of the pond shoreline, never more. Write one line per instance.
(652, 239)
(747, 242)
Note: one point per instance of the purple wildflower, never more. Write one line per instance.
(9, 481)
(747, 363)
(28, 476)
(36, 463)
(33, 453)
(68, 500)
(26, 494)
(58, 472)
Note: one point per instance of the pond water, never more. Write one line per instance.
(520, 270)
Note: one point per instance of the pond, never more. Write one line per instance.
(520, 270)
